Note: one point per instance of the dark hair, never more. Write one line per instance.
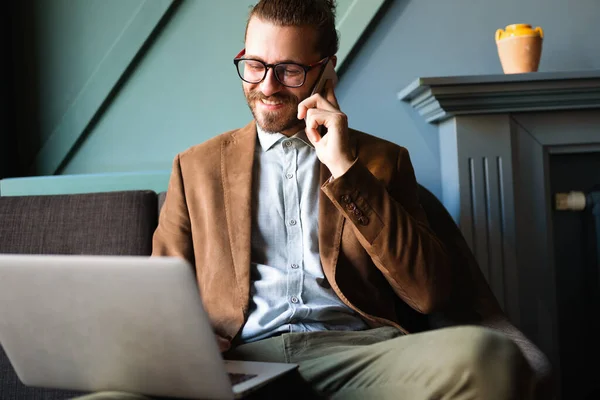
(317, 13)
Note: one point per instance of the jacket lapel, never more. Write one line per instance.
(237, 157)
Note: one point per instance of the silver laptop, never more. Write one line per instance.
(133, 324)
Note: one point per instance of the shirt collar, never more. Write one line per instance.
(268, 140)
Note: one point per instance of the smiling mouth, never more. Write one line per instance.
(271, 103)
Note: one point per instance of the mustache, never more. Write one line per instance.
(257, 95)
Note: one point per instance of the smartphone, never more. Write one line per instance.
(327, 73)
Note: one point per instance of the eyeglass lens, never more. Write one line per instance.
(253, 71)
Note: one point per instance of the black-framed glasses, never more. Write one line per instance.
(288, 74)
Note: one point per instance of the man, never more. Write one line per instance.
(308, 248)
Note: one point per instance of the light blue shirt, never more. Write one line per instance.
(289, 291)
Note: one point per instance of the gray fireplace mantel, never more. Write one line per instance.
(440, 98)
(498, 135)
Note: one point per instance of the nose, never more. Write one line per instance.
(270, 85)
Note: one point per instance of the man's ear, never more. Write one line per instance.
(334, 60)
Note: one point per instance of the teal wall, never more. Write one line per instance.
(122, 85)
(68, 57)
(184, 91)
(143, 80)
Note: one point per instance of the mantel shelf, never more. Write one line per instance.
(437, 99)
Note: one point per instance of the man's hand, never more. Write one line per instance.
(333, 149)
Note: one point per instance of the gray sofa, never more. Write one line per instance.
(116, 223)
(122, 223)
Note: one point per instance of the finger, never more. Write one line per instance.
(314, 101)
(314, 119)
(313, 135)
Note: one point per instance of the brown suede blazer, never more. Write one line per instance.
(377, 249)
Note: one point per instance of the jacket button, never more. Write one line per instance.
(363, 220)
(351, 206)
(357, 212)
(346, 199)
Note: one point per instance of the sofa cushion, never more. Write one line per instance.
(115, 223)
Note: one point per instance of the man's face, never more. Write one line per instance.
(273, 105)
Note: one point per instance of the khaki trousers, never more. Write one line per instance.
(463, 363)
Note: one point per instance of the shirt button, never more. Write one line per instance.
(294, 266)
(294, 299)
(289, 176)
(292, 222)
(287, 144)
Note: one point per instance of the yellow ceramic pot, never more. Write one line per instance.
(519, 48)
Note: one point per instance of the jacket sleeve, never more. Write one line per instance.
(392, 227)
(173, 235)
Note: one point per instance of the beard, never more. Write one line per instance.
(274, 121)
